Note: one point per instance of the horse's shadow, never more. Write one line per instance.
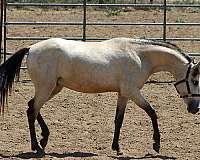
(147, 156)
(30, 155)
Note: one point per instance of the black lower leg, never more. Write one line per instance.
(118, 123)
(31, 122)
(156, 136)
(45, 131)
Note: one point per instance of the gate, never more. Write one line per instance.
(84, 23)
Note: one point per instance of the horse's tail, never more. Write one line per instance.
(10, 70)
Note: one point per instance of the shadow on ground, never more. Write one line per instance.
(147, 156)
(29, 155)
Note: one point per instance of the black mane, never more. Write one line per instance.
(164, 44)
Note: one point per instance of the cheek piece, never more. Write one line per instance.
(189, 94)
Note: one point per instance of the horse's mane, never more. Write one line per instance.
(164, 44)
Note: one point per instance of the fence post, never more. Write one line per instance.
(165, 20)
(5, 29)
(84, 19)
(1, 27)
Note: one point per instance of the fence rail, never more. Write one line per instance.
(84, 23)
(91, 38)
(106, 5)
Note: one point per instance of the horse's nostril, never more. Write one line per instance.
(193, 110)
(193, 106)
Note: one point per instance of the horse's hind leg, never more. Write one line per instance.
(45, 131)
(31, 121)
(42, 95)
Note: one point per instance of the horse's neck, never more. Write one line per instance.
(164, 59)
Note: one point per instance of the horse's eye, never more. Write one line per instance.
(195, 82)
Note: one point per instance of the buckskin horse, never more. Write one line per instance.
(120, 65)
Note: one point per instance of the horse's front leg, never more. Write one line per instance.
(31, 121)
(121, 105)
(156, 135)
(45, 131)
(142, 103)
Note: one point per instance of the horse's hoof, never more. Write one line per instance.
(40, 152)
(34, 147)
(115, 147)
(119, 153)
(37, 148)
(156, 147)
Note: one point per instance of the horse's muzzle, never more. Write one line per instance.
(193, 107)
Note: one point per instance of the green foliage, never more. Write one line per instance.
(195, 10)
(112, 11)
(179, 20)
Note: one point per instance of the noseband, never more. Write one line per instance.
(189, 94)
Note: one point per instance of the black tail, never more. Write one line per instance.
(8, 71)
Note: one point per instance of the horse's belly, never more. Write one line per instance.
(89, 86)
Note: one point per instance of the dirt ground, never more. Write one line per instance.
(81, 125)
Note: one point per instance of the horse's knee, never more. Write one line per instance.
(119, 117)
(30, 111)
(31, 103)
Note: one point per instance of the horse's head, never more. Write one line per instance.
(189, 87)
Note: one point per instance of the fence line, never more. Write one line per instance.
(100, 23)
(164, 6)
(105, 5)
(1, 27)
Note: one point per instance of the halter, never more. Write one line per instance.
(189, 94)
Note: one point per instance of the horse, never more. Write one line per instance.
(120, 65)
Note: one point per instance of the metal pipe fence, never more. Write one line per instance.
(84, 23)
(1, 22)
